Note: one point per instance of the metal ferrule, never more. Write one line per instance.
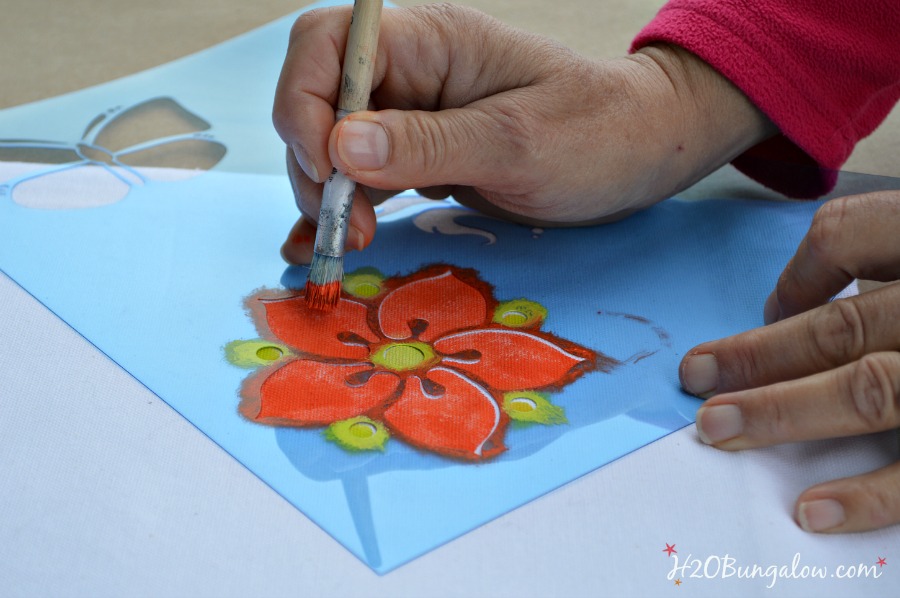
(337, 201)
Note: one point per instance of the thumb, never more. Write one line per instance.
(396, 149)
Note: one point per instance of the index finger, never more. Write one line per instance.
(850, 237)
(818, 340)
(308, 87)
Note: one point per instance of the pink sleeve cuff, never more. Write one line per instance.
(826, 72)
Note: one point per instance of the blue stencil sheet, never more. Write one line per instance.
(156, 274)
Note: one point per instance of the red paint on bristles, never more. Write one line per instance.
(323, 297)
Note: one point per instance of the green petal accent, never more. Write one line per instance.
(520, 313)
(358, 434)
(527, 406)
(364, 283)
(255, 353)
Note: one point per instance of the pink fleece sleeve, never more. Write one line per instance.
(826, 72)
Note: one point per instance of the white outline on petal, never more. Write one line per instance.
(484, 393)
(554, 346)
(446, 359)
(425, 392)
(409, 284)
(368, 328)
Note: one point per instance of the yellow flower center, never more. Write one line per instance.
(269, 353)
(522, 405)
(513, 318)
(358, 434)
(520, 313)
(363, 429)
(364, 283)
(530, 407)
(404, 356)
(366, 289)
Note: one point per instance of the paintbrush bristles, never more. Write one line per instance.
(323, 287)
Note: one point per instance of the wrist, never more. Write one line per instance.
(708, 120)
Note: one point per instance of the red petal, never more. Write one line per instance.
(444, 301)
(312, 393)
(316, 332)
(512, 359)
(465, 421)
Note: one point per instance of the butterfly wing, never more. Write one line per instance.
(20, 157)
(173, 159)
(155, 140)
(38, 152)
(158, 139)
(157, 118)
(71, 186)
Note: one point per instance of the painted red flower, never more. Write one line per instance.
(430, 358)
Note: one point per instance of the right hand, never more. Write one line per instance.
(507, 122)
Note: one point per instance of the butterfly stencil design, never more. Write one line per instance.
(155, 140)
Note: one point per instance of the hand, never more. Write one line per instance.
(819, 369)
(508, 122)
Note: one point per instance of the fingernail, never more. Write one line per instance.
(700, 374)
(771, 310)
(305, 163)
(716, 423)
(298, 249)
(820, 515)
(363, 145)
(355, 239)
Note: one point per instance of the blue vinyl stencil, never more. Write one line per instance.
(153, 268)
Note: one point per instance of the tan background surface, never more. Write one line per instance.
(52, 47)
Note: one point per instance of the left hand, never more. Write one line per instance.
(819, 369)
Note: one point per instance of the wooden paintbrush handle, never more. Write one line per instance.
(359, 57)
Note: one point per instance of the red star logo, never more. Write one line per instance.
(881, 562)
(677, 582)
(669, 549)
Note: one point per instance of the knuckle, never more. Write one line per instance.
(881, 505)
(785, 288)
(282, 121)
(514, 134)
(827, 224)
(307, 195)
(874, 390)
(775, 419)
(444, 145)
(514, 125)
(444, 25)
(424, 145)
(306, 23)
(790, 283)
(442, 14)
(745, 366)
(838, 333)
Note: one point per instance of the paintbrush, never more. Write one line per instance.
(323, 287)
